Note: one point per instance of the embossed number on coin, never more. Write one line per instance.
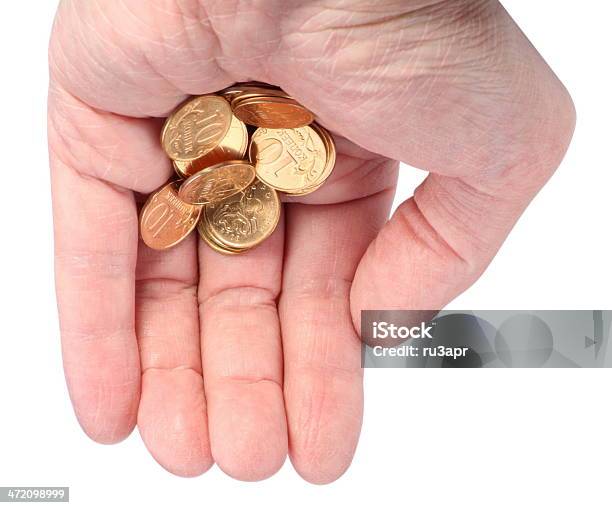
(288, 160)
(165, 220)
(232, 147)
(196, 128)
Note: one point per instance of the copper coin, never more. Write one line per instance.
(232, 147)
(230, 93)
(203, 230)
(330, 147)
(252, 92)
(329, 164)
(238, 88)
(289, 160)
(217, 182)
(246, 219)
(196, 128)
(272, 112)
(165, 220)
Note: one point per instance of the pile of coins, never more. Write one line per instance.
(233, 152)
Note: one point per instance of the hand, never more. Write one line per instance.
(241, 360)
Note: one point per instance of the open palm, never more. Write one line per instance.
(240, 360)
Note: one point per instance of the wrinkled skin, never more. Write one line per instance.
(243, 360)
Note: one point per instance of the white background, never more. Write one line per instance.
(430, 438)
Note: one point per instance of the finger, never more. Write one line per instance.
(439, 85)
(323, 377)
(434, 247)
(95, 158)
(96, 234)
(95, 237)
(172, 413)
(242, 358)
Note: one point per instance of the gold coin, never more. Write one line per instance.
(206, 229)
(217, 182)
(246, 219)
(211, 242)
(232, 147)
(196, 127)
(289, 160)
(329, 164)
(272, 112)
(165, 220)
